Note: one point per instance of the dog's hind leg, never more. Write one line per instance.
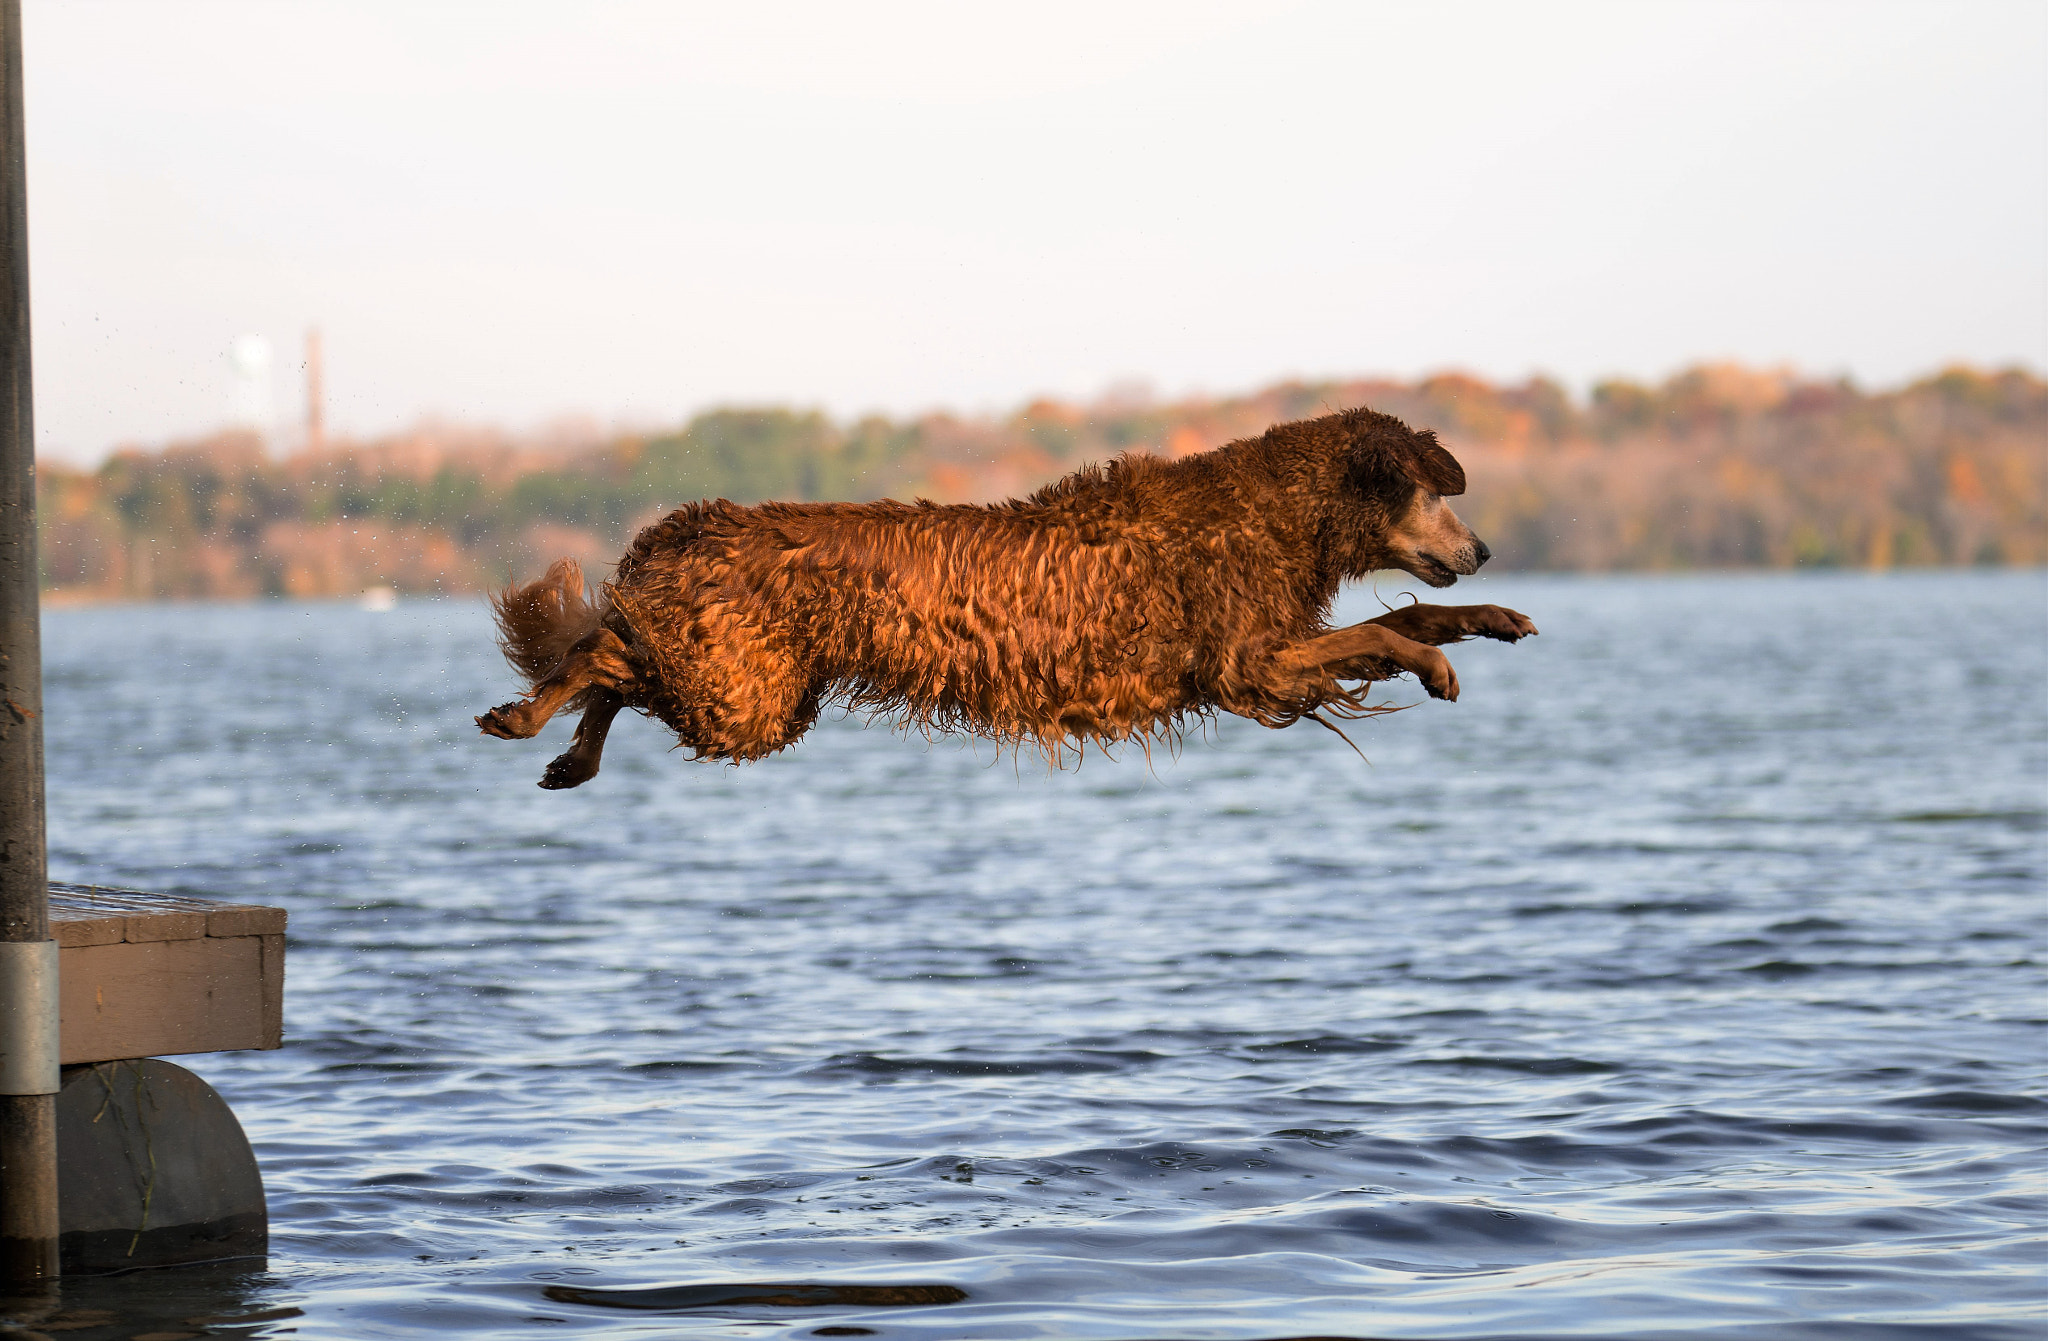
(600, 659)
(578, 764)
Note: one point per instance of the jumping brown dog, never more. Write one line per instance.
(1109, 605)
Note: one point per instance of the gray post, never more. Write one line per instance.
(28, 957)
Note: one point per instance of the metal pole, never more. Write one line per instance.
(28, 957)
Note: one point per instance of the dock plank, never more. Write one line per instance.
(152, 975)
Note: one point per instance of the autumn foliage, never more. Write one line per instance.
(1720, 466)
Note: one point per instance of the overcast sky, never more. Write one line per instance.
(507, 212)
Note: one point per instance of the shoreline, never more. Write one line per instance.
(61, 598)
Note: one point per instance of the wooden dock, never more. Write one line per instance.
(155, 975)
(153, 1167)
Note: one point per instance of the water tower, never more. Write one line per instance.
(250, 357)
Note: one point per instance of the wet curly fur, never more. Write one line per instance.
(1113, 604)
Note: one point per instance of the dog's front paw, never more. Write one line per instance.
(1497, 621)
(1434, 670)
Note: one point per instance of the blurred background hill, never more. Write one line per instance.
(816, 251)
(1719, 466)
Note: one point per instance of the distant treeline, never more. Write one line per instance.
(1720, 466)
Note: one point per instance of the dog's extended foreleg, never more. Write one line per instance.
(600, 658)
(1368, 651)
(578, 764)
(1440, 624)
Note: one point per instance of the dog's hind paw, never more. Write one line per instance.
(568, 770)
(506, 722)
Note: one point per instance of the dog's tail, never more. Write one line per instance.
(539, 622)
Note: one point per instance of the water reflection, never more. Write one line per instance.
(235, 1299)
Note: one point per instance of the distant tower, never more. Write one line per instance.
(250, 358)
(316, 412)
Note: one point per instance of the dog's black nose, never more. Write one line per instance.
(1483, 552)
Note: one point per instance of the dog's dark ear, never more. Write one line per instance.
(1381, 474)
(1434, 468)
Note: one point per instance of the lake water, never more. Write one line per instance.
(1683, 980)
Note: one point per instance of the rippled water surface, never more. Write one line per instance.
(1682, 980)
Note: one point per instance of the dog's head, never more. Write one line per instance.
(1397, 480)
